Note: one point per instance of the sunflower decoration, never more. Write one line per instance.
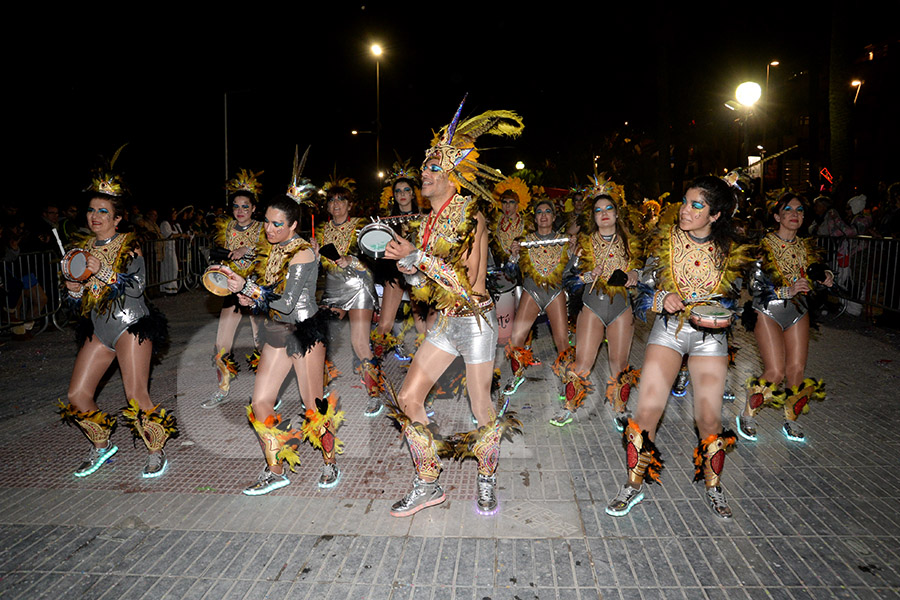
(400, 171)
(513, 185)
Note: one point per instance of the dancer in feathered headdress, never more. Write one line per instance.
(690, 282)
(781, 283)
(445, 266)
(107, 292)
(608, 259)
(238, 242)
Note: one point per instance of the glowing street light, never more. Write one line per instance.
(520, 165)
(377, 51)
(748, 93)
(857, 83)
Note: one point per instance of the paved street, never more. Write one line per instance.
(811, 521)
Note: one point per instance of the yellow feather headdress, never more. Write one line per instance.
(104, 180)
(245, 181)
(516, 186)
(454, 147)
(301, 188)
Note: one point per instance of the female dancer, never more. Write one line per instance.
(542, 269)
(293, 335)
(116, 325)
(514, 197)
(349, 288)
(779, 283)
(244, 238)
(604, 248)
(692, 263)
(402, 193)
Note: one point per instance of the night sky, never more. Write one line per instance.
(304, 75)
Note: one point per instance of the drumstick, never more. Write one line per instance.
(58, 241)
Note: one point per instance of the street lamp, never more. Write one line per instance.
(377, 51)
(748, 93)
(857, 83)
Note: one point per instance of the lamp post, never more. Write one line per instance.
(747, 94)
(377, 51)
(857, 83)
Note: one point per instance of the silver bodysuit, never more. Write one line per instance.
(784, 312)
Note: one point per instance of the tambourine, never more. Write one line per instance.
(711, 317)
(374, 238)
(215, 280)
(74, 265)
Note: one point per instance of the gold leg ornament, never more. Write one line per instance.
(424, 451)
(709, 460)
(618, 388)
(278, 439)
(382, 344)
(226, 369)
(797, 398)
(331, 373)
(641, 455)
(372, 377)
(519, 359)
(154, 428)
(576, 387)
(97, 426)
(761, 393)
(321, 425)
(563, 361)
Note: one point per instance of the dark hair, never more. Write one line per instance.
(118, 203)
(289, 207)
(406, 180)
(510, 194)
(548, 202)
(395, 208)
(786, 198)
(722, 200)
(339, 191)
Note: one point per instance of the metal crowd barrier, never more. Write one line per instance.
(32, 291)
(867, 268)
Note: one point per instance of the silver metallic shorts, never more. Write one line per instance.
(349, 290)
(469, 337)
(783, 312)
(689, 340)
(541, 297)
(605, 308)
(108, 331)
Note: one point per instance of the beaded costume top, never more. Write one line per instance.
(230, 236)
(115, 258)
(544, 264)
(695, 270)
(609, 255)
(504, 232)
(271, 271)
(786, 262)
(447, 235)
(343, 237)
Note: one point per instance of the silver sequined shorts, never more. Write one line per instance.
(689, 340)
(605, 308)
(349, 290)
(462, 336)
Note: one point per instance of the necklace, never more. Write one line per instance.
(99, 243)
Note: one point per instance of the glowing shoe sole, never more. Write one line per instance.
(791, 437)
(510, 389)
(740, 430)
(628, 507)
(104, 456)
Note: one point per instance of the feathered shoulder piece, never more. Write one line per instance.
(271, 270)
(101, 295)
(220, 231)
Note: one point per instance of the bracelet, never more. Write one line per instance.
(783, 293)
(659, 299)
(416, 280)
(76, 295)
(251, 290)
(410, 260)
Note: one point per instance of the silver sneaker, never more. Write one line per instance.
(620, 421)
(487, 494)
(562, 418)
(330, 476)
(156, 465)
(746, 426)
(267, 482)
(681, 383)
(95, 459)
(219, 397)
(422, 495)
(374, 407)
(717, 502)
(624, 501)
(793, 431)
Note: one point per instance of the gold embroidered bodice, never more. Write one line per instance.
(610, 255)
(442, 226)
(108, 255)
(506, 232)
(543, 264)
(695, 268)
(789, 259)
(279, 257)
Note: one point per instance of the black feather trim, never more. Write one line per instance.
(308, 333)
(749, 316)
(84, 330)
(153, 328)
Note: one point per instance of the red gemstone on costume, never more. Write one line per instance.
(327, 441)
(570, 391)
(798, 408)
(631, 455)
(756, 400)
(625, 392)
(717, 461)
(696, 263)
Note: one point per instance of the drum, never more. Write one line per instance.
(74, 265)
(374, 238)
(710, 316)
(215, 280)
